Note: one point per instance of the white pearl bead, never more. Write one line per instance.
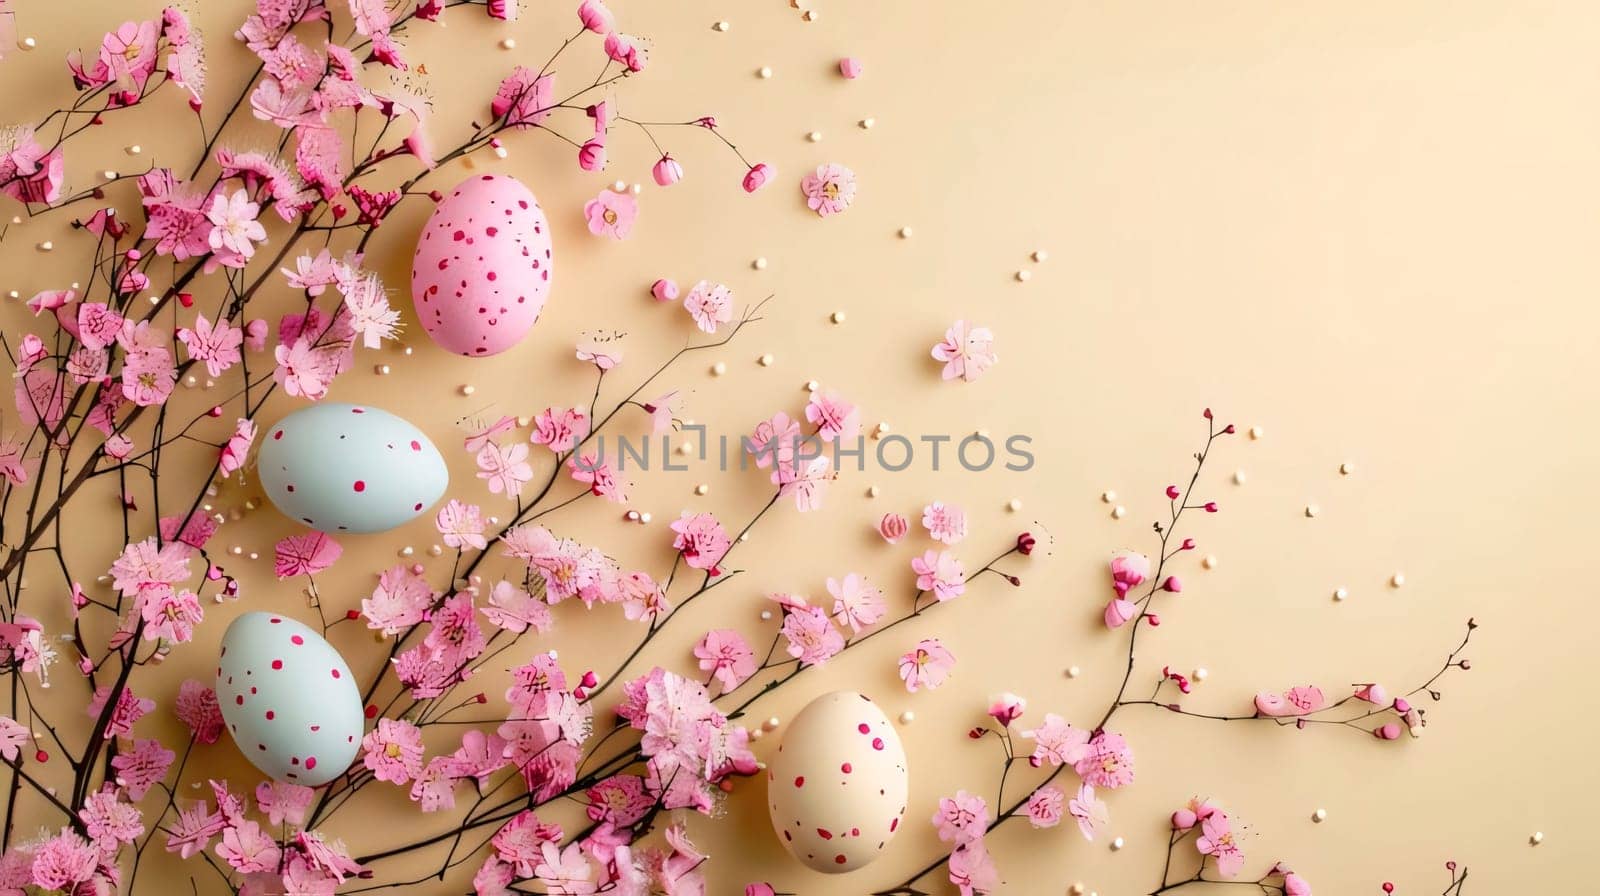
(1340, 593)
(867, 123)
(722, 26)
(1256, 432)
(719, 368)
(509, 43)
(772, 723)
(1014, 505)
(1537, 838)
(907, 717)
(765, 71)
(1024, 276)
(1238, 477)
(759, 264)
(644, 517)
(1118, 512)
(765, 361)
(814, 136)
(837, 317)
(766, 615)
(1118, 843)
(1108, 496)
(702, 489)
(812, 386)
(1040, 255)
(1311, 510)
(1201, 674)
(905, 233)
(1396, 580)
(1319, 816)
(872, 491)
(1210, 561)
(1073, 671)
(1346, 469)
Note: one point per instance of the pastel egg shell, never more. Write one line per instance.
(837, 786)
(482, 268)
(288, 698)
(350, 468)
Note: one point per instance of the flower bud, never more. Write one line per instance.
(757, 176)
(596, 17)
(1188, 545)
(1388, 731)
(1154, 619)
(1211, 507)
(850, 67)
(592, 156)
(1025, 544)
(1172, 492)
(667, 171)
(664, 290)
(1172, 584)
(893, 527)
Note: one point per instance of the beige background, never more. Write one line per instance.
(1367, 228)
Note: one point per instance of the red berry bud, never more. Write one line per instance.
(1172, 492)
(1211, 507)
(352, 614)
(1188, 544)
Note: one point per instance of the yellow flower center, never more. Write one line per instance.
(392, 751)
(830, 190)
(131, 53)
(610, 216)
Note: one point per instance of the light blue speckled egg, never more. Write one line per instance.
(350, 468)
(289, 699)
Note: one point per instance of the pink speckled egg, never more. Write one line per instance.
(836, 788)
(482, 270)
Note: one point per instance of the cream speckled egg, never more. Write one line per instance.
(288, 699)
(349, 468)
(482, 268)
(836, 788)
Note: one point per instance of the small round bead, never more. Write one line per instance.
(1108, 496)
(1201, 674)
(814, 136)
(644, 517)
(1073, 671)
(719, 368)
(905, 233)
(759, 264)
(1024, 276)
(1118, 843)
(1238, 477)
(1537, 838)
(1040, 255)
(721, 26)
(1311, 510)
(1210, 561)
(907, 717)
(872, 491)
(509, 43)
(1014, 505)
(1118, 512)
(468, 389)
(1319, 816)
(837, 317)
(1256, 432)
(702, 489)
(867, 123)
(1397, 580)
(1346, 469)
(765, 71)
(765, 361)
(1340, 593)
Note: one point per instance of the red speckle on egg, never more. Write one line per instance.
(372, 711)
(270, 715)
(296, 640)
(798, 782)
(335, 673)
(277, 435)
(864, 728)
(277, 664)
(893, 824)
(311, 762)
(824, 833)
(839, 859)
(846, 768)
(360, 485)
(877, 743)
(416, 445)
(239, 700)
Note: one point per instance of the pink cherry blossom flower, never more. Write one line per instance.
(774, 441)
(303, 369)
(1044, 806)
(642, 599)
(710, 304)
(232, 455)
(192, 832)
(130, 708)
(893, 527)
(1128, 570)
(856, 603)
(247, 848)
(109, 821)
(759, 175)
(399, 602)
(64, 860)
(505, 467)
(631, 51)
(834, 417)
(1089, 811)
(140, 768)
(515, 610)
(611, 214)
(962, 818)
(1297, 701)
(945, 522)
(727, 656)
(524, 99)
(99, 325)
(667, 171)
(148, 376)
(461, 525)
(13, 735)
(829, 190)
(1295, 885)
(601, 477)
(811, 637)
(283, 803)
(926, 665)
(196, 707)
(519, 841)
(1006, 708)
(941, 573)
(393, 751)
(370, 316)
(972, 868)
(305, 555)
(234, 225)
(170, 615)
(805, 481)
(1057, 742)
(701, 539)
(560, 430)
(596, 17)
(967, 352)
(1108, 762)
(1217, 841)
